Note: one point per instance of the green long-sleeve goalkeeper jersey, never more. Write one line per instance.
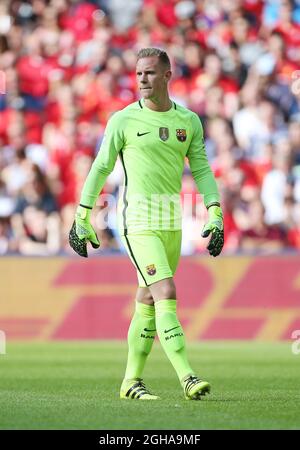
(152, 147)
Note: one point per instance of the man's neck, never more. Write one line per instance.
(159, 106)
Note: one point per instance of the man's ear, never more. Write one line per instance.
(168, 75)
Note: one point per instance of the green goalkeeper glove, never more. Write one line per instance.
(216, 228)
(82, 232)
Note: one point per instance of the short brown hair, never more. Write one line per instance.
(151, 51)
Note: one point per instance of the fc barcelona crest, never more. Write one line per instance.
(164, 133)
(181, 134)
(151, 270)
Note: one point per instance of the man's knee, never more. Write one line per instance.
(168, 292)
(144, 295)
(164, 289)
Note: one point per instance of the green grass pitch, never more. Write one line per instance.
(63, 385)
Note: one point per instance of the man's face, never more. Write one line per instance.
(152, 77)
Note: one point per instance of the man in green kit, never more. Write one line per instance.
(152, 137)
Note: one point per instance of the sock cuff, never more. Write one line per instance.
(145, 310)
(168, 305)
(183, 379)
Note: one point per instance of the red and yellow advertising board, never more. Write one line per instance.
(223, 298)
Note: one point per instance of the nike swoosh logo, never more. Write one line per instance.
(142, 134)
(167, 331)
(146, 329)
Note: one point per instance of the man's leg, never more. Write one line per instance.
(169, 329)
(171, 337)
(141, 335)
(155, 256)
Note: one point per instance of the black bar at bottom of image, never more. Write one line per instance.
(138, 438)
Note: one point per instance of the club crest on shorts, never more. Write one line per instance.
(181, 134)
(164, 133)
(151, 270)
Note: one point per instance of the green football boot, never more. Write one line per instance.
(136, 389)
(194, 388)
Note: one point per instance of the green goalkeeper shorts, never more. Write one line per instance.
(155, 254)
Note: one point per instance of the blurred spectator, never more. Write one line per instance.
(275, 184)
(69, 64)
(35, 221)
(257, 235)
(35, 192)
(38, 233)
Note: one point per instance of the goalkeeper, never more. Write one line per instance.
(152, 138)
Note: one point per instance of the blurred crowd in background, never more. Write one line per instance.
(68, 65)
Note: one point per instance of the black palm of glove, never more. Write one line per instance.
(82, 232)
(214, 227)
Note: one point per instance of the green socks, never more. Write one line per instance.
(171, 336)
(141, 335)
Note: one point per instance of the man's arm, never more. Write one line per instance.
(82, 230)
(207, 186)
